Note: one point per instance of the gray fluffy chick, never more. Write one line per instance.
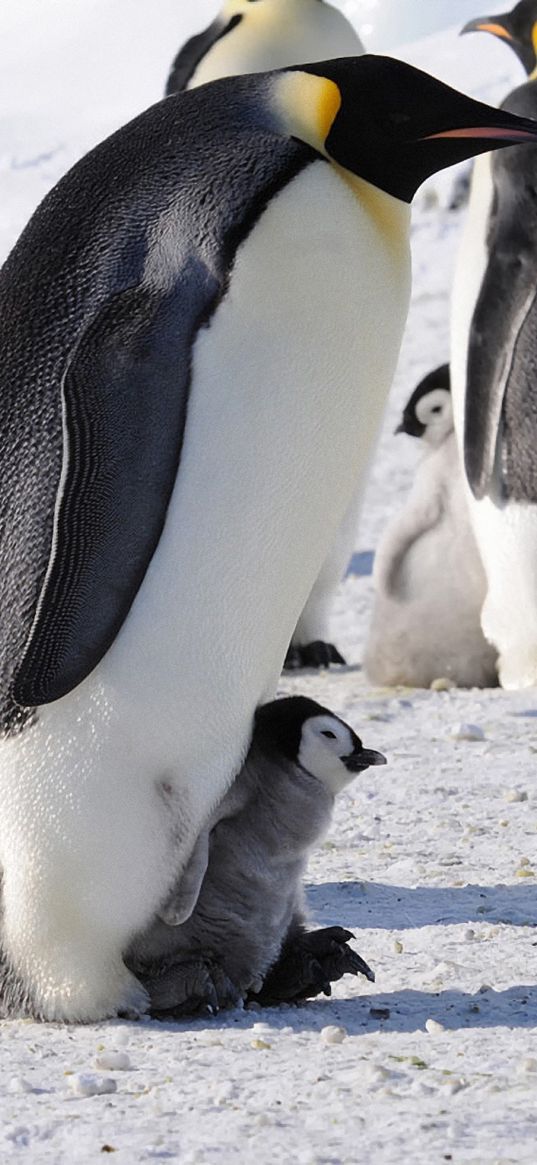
(233, 927)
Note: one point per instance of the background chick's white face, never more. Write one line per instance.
(330, 751)
(435, 411)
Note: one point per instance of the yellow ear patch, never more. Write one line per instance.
(307, 106)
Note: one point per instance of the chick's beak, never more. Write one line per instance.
(363, 758)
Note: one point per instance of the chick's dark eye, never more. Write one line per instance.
(331, 735)
(436, 409)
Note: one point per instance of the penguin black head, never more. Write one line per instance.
(517, 28)
(309, 735)
(428, 413)
(389, 123)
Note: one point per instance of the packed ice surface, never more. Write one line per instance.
(431, 861)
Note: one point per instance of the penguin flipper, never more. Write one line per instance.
(195, 49)
(181, 903)
(497, 327)
(124, 406)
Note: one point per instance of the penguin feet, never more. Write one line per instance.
(317, 654)
(308, 964)
(197, 987)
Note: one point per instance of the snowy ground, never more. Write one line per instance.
(430, 861)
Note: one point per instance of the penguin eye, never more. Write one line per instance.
(436, 409)
(325, 732)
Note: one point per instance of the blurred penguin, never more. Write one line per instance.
(429, 580)
(493, 361)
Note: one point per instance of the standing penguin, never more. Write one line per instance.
(190, 368)
(429, 580)
(517, 28)
(253, 36)
(250, 36)
(494, 353)
(239, 902)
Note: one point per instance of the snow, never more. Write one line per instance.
(430, 861)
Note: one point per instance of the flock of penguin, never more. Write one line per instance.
(199, 327)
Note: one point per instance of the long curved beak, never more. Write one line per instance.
(487, 24)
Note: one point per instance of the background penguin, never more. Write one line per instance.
(241, 893)
(190, 370)
(517, 28)
(250, 36)
(494, 354)
(253, 36)
(429, 581)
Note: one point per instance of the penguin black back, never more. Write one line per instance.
(501, 406)
(115, 252)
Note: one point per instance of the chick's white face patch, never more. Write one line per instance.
(324, 744)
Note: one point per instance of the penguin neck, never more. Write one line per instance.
(390, 215)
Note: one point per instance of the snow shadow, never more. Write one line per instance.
(390, 1012)
(408, 1011)
(371, 904)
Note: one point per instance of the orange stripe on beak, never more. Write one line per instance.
(495, 29)
(483, 131)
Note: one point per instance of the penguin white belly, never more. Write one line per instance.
(507, 538)
(105, 795)
(263, 41)
(471, 265)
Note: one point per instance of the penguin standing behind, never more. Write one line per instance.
(240, 899)
(429, 581)
(253, 36)
(518, 28)
(190, 370)
(494, 357)
(249, 36)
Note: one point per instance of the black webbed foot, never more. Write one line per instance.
(317, 654)
(308, 964)
(195, 988)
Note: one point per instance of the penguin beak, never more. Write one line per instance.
(363, 758)
(486, 24)
(490, 133)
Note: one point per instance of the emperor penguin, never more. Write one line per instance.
(190, 370)
(494, 349)
(251, 36)
(518, 28)
(240, 898)
(429, 580)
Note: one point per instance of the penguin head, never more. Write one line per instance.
(429, 411)
(517, 28)
(387, 122)
(313, 737)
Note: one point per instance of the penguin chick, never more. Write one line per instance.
(429, 580)
(517, 28)
(252, 36)
(239, 900)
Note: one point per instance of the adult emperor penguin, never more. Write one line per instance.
(190, 368)
(252, 36)
(494, 329)
(517, 28)
(429, 579)
(226, 924)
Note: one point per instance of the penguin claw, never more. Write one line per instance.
(198, 987)
(308, 964)
(318, 654)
